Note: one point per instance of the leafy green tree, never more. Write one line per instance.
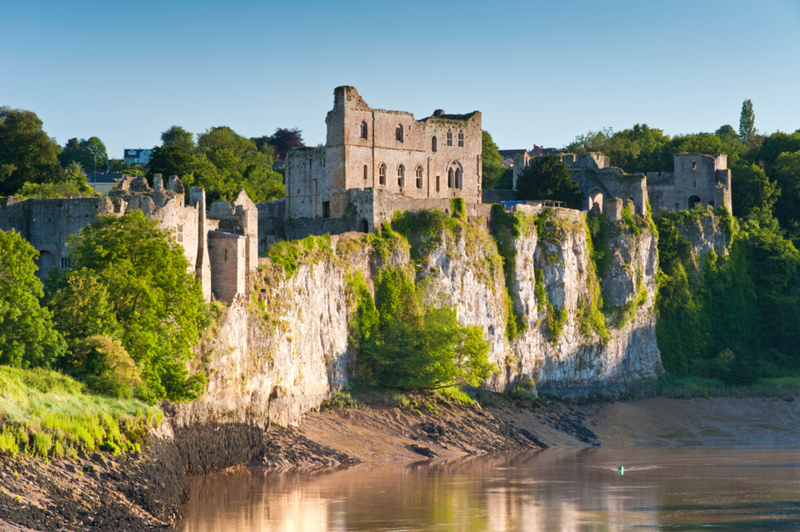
(27, 337)
(547, 178)
(591, 141)
(403, 346)
(747, 120)
(773, 146)
(27, 154)
(168, 160)
(178, 137)
(727, 131)
(106, 367)
(119, 166)
(491, 161)
(159, 305)
(83, 152)
(706, 143)
(787, 208)
(752, 189)
(506, 180)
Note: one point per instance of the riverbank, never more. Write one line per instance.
(144, 491)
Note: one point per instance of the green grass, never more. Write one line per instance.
(46, 414)
(688, 387)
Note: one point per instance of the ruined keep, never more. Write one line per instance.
(697, 180)
(220, 244)
(375, 162)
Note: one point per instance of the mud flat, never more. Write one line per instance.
(145, 491)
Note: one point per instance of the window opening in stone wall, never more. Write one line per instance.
(433, 144)
(363, 226)
(460, 139)
(180, 232)
(419, 177)
(711, 203)
(693, 201)
(449, 138)
(398, 135)
(401, 176)
(366, 172)
(326, 209)
(677, 206)
(66, 262)
(450, 178)
(458, 178)
(364, 132)
(224, 254)
(694, 165)
(382, 174)
(596, 201)
(437, 183)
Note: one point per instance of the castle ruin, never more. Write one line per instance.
(698, 179)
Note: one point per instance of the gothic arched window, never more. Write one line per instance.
(382, 174)
(419, 177)
(450, 178)
(366, 172)
(449, 138)
(363, 130)
(401, 176)
(398, 134)
(433, 144)
(460, 139)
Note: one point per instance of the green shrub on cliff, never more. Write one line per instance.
(140, 278)
(403, 345)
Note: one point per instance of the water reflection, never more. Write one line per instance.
(675, 489)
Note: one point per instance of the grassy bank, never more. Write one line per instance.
(46, 414)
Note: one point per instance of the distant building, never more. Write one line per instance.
(137, 156)
(102, 182)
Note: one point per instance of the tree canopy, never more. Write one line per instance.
(284, 140)
(491, 161)
(547, 178)
(27, 337)
(747, 121)
(179, 138)
(130, 280)
(82, 152)
(27, 154)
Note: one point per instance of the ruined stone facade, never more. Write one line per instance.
(220, 245)
(697, 180)
(438, 157)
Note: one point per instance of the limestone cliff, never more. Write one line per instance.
(281, 351)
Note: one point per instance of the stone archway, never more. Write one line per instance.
(363, 226)
(693, 201)
(596, 201)
(45, 263)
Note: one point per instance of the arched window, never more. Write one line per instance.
(458, 178)
(419, 177)
(460, 139)
(450, 178)
(449, 138)
(382, 174)
(363, 130)
(363, 226)
(401, 176)
(596, 201)
(693, 201)
(366, 172)
(398, 134)
(433, 144)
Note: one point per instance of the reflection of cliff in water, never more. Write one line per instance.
(551, 490)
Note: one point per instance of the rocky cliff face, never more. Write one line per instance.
(282, 351)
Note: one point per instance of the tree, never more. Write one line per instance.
(106, 367)
(491, 161)
(285, 139)
(27, 337)
(157, 304)
(727, 131)
(751, 190)
(169, 160)
(82, 152)
(638, 149)
(547, 178)
(178, 137)
(27, 154)
(403, 346)
(747, 121)
(787, 208)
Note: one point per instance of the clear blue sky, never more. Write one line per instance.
(541, 72)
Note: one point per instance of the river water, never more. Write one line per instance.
(660, 489)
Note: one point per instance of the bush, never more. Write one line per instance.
(115, 373)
